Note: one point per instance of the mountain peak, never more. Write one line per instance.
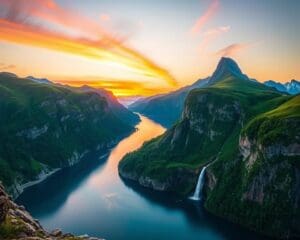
(227, 66)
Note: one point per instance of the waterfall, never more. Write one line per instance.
(197, 194)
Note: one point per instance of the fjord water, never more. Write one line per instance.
(90, 198)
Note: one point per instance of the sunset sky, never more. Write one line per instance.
(144, 47)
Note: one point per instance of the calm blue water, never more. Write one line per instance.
(91, 198)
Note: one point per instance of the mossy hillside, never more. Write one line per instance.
(276, 177)
(191, 150)
(70, 121)
(278, 125)
(259, 193)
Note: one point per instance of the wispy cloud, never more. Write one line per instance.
(210, 35)
(30, 22)
(203, 19)
(217, 31)
(117, 86)
(233, 49)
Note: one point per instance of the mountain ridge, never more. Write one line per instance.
(248, 133)
(166, 108)
(42, 128)
(292, 87)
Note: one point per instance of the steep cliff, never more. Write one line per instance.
(165, 108)
(249, 133)
(45, 127)
(258, 184)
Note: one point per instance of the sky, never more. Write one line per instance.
(145, 47)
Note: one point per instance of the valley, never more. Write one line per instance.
(109, 208)
(149, 120)
(222, 158)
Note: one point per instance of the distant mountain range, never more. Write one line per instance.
(165, 108)
(45, 126)
(117, 108)
(292, 87)
(247, 135)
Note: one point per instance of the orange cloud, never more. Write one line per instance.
(118, 87)
(18, 25)
(209, 13)
(48, 11)
(233, 49)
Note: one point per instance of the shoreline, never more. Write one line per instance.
(18, 190)
(42, 178)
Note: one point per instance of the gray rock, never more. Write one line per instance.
(56, 233)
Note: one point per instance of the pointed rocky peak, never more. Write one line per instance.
(226, 66)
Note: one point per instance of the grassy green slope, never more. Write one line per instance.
(262, 195)
(232, 108)
(184, 147)
(47, 124)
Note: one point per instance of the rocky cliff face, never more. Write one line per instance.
(182, 151)
(166, 108)
(249, 136)
(44, 127)
(262, 175)
(17, 223)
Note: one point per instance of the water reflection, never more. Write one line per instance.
(58, 187)
(91, 198)
(194, 212)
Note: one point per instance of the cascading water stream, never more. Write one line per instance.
(197, 194)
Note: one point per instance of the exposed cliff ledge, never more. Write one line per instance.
(251, 133)
(20, 184)
(173, 161)
(264, 181)
(17, 223)
(176, 179)
(44, 127)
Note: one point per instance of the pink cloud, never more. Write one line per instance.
(210, 35)
(49, 12)
(31, 22)
(217, 31)
(202, 20)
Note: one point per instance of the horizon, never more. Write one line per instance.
(130, 49)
